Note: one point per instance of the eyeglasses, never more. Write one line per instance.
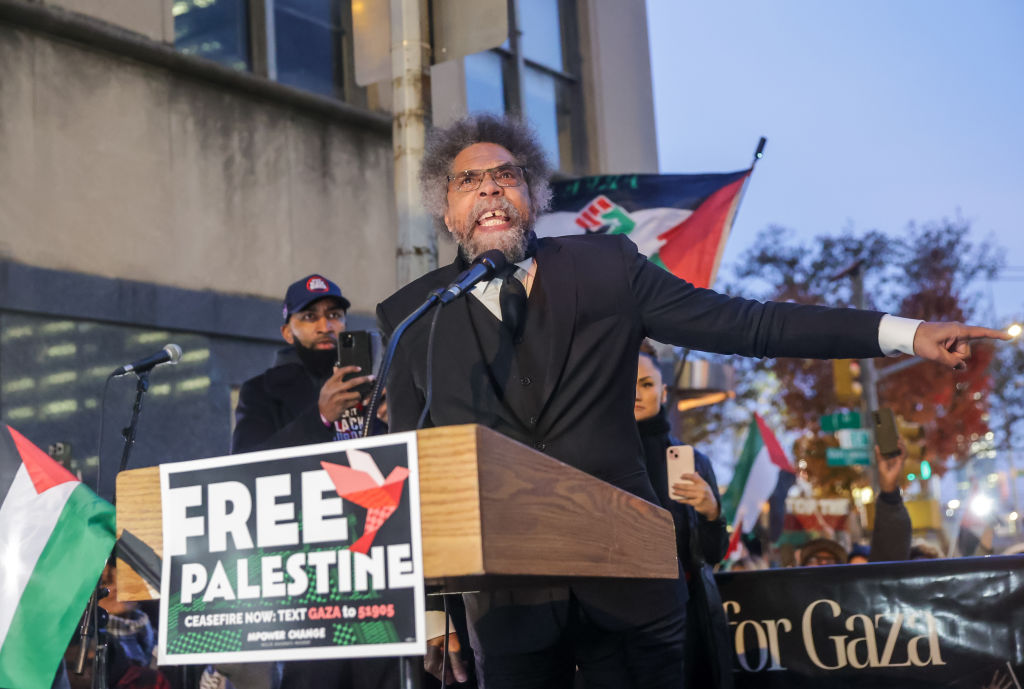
(503, 176)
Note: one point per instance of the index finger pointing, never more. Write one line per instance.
(976, 332)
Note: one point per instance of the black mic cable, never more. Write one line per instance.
(429, 383)
(484, 266)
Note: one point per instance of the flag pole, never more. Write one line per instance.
(759, 153)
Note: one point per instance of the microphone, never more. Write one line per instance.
(483, 268)
(170, 354)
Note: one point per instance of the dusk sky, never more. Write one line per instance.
(877, 113)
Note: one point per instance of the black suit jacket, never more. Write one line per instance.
(603, 298)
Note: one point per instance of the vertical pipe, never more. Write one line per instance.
(416, 246)
(869, 378)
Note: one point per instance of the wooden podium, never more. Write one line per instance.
(490, 507)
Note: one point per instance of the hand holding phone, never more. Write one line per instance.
(887, 437)
(679, 459)
(354, 349)
(685, 485)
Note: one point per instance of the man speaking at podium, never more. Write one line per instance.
(546, 354)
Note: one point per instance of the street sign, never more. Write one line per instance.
(850, 438)
(830, 423)
(842, 457)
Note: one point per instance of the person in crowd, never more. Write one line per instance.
(701, 538)
(821, 551)
(304, 399)
(859, 555)
(543, 353)
(890, 538)
(131, 641)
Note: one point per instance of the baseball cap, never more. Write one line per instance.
(304, 292)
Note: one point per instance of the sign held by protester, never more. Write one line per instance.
(293, 554)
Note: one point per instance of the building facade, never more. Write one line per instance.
(168, 167)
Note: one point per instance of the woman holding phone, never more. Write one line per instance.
(701, 538)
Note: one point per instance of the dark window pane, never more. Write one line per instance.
(485, 84)
(565, 94)
(52, 375)
(215, 29)
(542, 32)
(307, 34)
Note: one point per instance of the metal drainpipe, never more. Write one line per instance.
(416, 249)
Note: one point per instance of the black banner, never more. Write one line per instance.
(926, 623)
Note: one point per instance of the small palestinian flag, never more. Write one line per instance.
(760, 470)
(55, 536)
(680, 222)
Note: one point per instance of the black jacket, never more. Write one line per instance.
(711, 537)
(278, 408)
(700, 544)
(891, 536)
(603, 298)
(595, 298)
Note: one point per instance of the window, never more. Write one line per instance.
(485, 83)
(302, 43)
(535, 72)
(214, 29)
(307, 36)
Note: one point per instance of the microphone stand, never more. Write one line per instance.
(408, 671)
(94, 622)
(141, 386)
(389, 355)
(483, 266)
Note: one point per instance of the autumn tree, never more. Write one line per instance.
(1008, 391)
(928, 273)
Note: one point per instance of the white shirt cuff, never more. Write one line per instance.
(896, 335)
(434, 624)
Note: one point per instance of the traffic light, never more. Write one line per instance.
(912, 469)
(913, 437)
(846, 381)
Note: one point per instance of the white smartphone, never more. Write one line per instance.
(679, 459)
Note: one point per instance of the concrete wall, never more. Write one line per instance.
(119, 168)
(617, 90)
(151, 18)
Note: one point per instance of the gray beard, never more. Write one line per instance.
(512, 243)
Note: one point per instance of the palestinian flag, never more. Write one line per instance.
(679, 222)
(761, 468)
(55, 536)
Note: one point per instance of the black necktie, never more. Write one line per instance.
(512, 299)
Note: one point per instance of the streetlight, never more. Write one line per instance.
(1014, 330)
(982, 505)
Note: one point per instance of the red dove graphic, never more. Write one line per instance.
(362, 483)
